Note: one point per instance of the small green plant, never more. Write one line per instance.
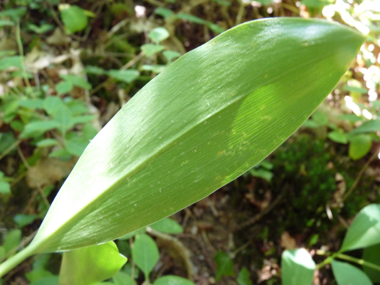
(360, 138)
(298, 266)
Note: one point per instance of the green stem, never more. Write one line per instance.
(323, 263)
(240, 14)
(15, 260)
(21, 51)
(348, 258)
(358, 261)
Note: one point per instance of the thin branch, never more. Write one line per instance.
(10, 148)
(360, 174)
(260, 215)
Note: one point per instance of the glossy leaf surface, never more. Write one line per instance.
(347, 274)
(208, 118)
(364, 230)
(297, 267)
(90, 265)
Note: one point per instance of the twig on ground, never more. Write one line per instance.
(360, 174)
(260, 215)
(179, 248)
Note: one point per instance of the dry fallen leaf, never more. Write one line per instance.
(48, 171)
(287, 241)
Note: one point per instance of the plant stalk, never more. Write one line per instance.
(358, 261)
(16, 259)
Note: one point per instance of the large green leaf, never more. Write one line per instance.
(347, 274)
(364, 230)
(297, 267)
(90, 265)
(208, 118)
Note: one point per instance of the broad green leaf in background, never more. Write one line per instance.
(360, 145)
(172, 280)
(47, 142)
(11, 62)
(23, 220)
(52, 104)
(5, 187)
(12, 240)
(40, 30)
(6, 53)
(170, 55)
(350, 117)
(338, 137)
(76, 80)
(166, 13)
(244, 277)
(145, 253)
(158, 68)
(74, 18)
(158, 34)
(151, 49)
(364, 230)
(347, 274)
(39, 274)
(168, 226)
(32, 104)
(122, 278)
(36, 275)
(5, 23)
(33, 129)
(367, 127)
(90, 69)
(127, 76)
(224, 265)
(91, 265)
(15, 14)
(297, 267)
(356, 89)
(371, 254)
(64, 87)
(207, 119)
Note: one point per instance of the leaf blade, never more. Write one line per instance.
(297, 267)
(364, 230)
(347, 274)
(230, 106)
(91, 265)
